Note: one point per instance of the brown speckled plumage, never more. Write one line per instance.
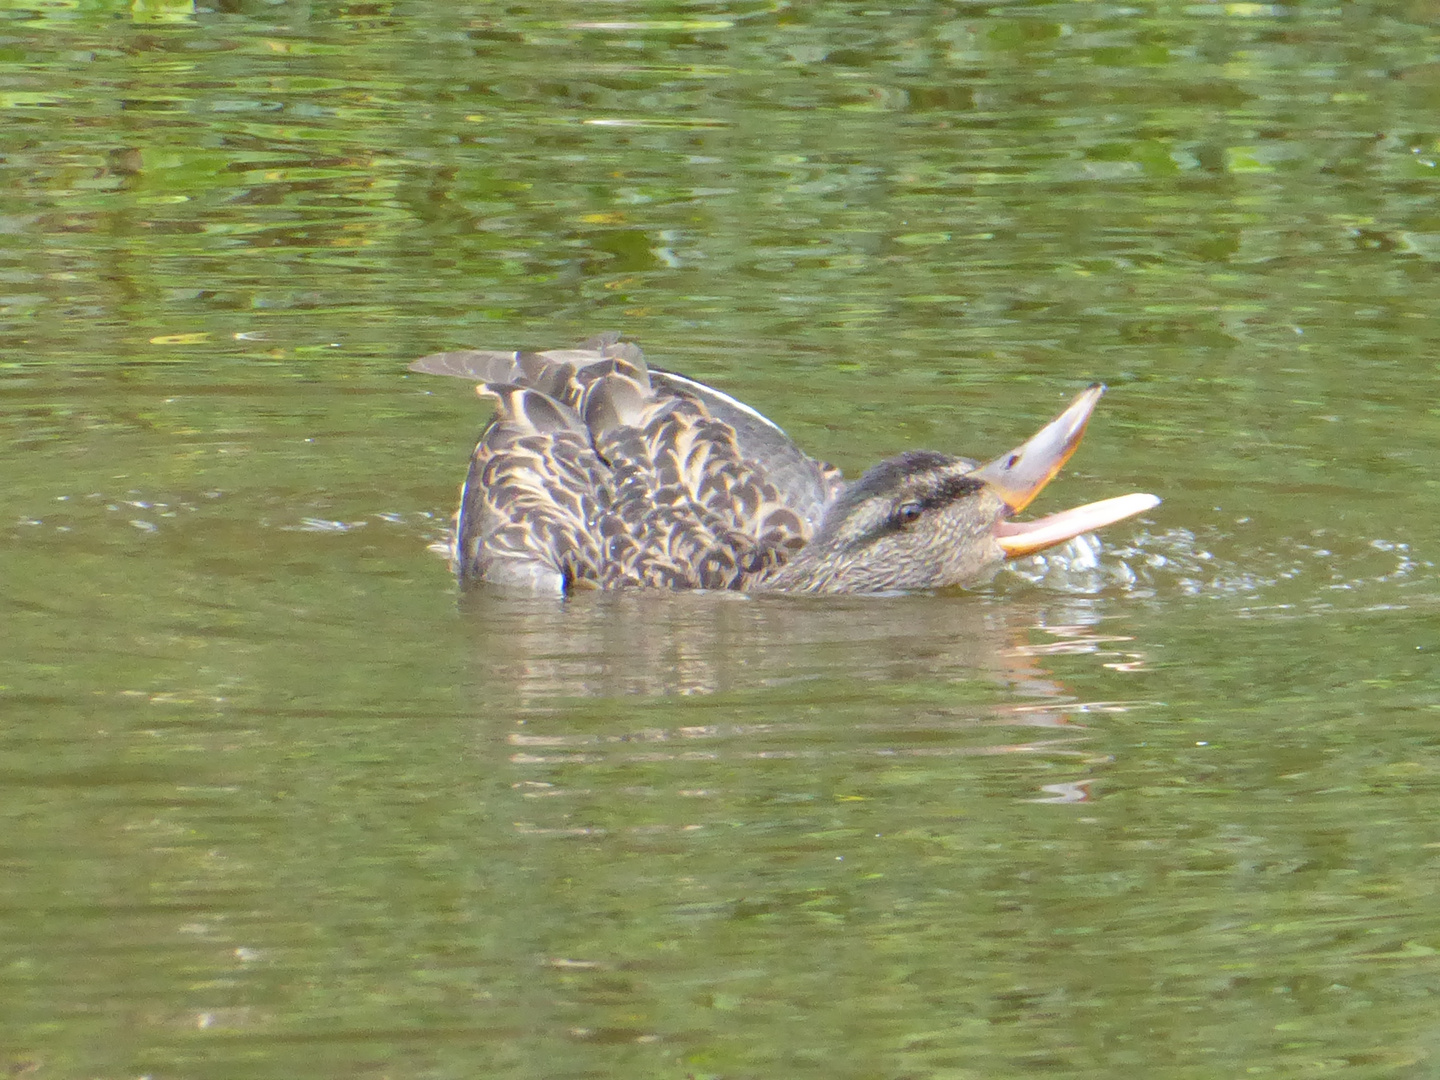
(600, 472)
(593, 474)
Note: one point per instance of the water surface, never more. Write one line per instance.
(280, 802)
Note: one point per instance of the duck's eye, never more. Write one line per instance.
(905, 513)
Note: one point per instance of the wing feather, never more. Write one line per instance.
(600, 471)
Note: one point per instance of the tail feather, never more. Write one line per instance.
(525, 411)
(478, 365)
(613, 401)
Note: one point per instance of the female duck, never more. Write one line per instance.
(598, 471)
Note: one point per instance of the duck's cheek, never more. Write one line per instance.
(975, 562)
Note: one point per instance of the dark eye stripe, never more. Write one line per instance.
(910, 512)
(953, 488)
(950, 490)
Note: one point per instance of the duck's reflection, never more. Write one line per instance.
(617, 680)
(656, 642)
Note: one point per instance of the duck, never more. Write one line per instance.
(599, 471)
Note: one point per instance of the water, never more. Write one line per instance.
(279, 802)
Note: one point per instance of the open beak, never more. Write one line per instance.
(1017, 477)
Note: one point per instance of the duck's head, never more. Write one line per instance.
(927, 520)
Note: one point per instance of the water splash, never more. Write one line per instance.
(1325, 570)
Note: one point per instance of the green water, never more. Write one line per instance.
(277, 803)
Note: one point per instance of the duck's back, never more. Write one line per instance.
(600, 472)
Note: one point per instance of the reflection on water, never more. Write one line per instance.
(653, 642)
(571, 695)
